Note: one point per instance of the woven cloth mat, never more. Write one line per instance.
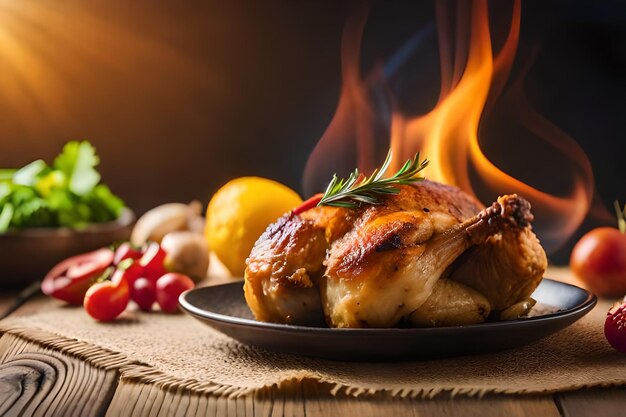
(181, 353)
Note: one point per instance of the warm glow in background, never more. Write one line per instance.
(178, 97)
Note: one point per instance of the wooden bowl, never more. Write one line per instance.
(27, 255)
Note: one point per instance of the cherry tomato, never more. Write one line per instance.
(106, 300)
(599, 259)
(152, 262)
(126, 251)
(614, 327)
(70, 279)
(130, 273)
(169, 287)
(144, 293)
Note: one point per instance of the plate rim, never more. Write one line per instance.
(584, 307)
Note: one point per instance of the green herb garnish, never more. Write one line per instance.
(358, 190)
(68, 193)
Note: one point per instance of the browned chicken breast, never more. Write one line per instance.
(380, 265)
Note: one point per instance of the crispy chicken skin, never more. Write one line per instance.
(507, 267)
(379, 265)
(283, 271)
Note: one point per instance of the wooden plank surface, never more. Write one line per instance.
(438, 407)
(318, 404)
(141, 400)
(71, 387)
(37, 381)
(593, 402)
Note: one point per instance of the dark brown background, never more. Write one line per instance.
(178, 97)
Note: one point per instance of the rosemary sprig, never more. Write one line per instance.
(357, 189)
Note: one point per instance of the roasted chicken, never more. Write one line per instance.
(430, 255)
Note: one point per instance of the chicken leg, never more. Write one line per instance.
(386, 268)
(507, 267)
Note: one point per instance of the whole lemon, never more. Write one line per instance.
(239, 213)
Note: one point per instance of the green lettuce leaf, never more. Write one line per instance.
(68, 194)
(6, 215)
(78, 162)
(28, 174)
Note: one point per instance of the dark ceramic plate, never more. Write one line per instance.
(223, 307)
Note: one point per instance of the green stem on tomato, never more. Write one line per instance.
(621, 217)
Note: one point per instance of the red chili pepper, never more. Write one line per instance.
(70, 279)
(126, 251)
(308, 204)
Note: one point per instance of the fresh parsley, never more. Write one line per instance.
(66, 194)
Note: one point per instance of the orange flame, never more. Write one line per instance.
(449, 134)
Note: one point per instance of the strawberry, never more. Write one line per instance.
(615, 327)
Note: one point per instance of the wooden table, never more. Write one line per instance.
(28, 387)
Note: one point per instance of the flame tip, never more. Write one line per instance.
(473, 78)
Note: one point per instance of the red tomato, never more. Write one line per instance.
(599, 259)
(614, 327)
(130, 274)
(152, 262)
(70, 279)
(169, 288)
(126, 251)
(106, 300)
(143, 292)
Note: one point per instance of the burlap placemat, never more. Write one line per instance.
(180, 352)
